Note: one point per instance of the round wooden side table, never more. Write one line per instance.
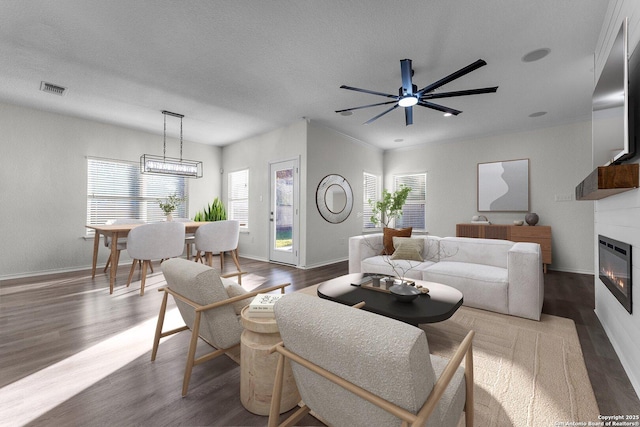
(258, 367)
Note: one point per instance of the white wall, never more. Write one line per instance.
(321, 151)
(617, 217)
(559, 158)
(255, 154)
(43, 185)
(331, 152)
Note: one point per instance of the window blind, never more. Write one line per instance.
(371, 192)
(239, 197)
(414, 211)
(117, 190)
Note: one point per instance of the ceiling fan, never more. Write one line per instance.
(409, 95)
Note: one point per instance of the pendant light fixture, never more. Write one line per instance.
(164, 165)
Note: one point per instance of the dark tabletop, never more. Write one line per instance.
(438, 305)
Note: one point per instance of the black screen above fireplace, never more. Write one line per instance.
(615, 268)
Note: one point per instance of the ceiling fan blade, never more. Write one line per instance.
(405, 71)
(455, 75)
(460, 93)
(439, 107)
(372, 92)
(408, 115)
(381, 114)
(365, 106)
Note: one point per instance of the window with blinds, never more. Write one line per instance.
(371, 192)
(415, 209)
(239, 197)
(116, 190)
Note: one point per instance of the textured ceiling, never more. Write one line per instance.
(240, 68)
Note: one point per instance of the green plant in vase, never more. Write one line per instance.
(389, 207)
(169, 205)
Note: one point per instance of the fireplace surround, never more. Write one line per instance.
(615, 268)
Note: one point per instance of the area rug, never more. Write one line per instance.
(526, 373)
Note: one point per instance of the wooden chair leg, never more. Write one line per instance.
(145, 265)
(106, 267)
(192, 353)
(234, 255)
(156, 338)
(276, 395)
(468, 374)
(133, 268)
(221, 261)
(209, 256)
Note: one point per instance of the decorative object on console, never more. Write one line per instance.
(334, 198)
(518, 222)
(532, 218)
(503, 186)
(164, 165)
(480, 219)
(409, 95)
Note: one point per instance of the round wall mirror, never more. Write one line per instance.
(334, 198)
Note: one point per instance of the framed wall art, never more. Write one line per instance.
(503, 186)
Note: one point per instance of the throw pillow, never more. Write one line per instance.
(408, 249)
(389, 234)
(234, 290)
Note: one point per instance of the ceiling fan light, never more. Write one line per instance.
(408, 101)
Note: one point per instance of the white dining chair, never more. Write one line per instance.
(189, 238)
(122, 242)
(218, 237)
(160, 240)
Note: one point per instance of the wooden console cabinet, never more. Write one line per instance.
(537, 234)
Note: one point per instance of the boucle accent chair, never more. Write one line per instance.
(159, 240)
(210, 306)
(356, 368)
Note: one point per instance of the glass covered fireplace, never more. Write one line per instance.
(615, 268)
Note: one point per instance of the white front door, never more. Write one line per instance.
(284, 219)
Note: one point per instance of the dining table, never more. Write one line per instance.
(118, 231)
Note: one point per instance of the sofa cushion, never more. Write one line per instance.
(387, 238)
(234, 290)
(383, 265)
(491, 252)
(482, 286)
(408, 248)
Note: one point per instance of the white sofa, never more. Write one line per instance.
(496, 275)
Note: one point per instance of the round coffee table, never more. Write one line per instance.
(438, 305)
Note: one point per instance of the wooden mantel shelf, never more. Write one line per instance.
(606, 181)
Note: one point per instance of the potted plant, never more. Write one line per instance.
(169, 205)
(213, 212)
(389, 207)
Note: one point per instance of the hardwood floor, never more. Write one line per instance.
(71, 354)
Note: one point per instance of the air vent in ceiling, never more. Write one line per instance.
(51, 88)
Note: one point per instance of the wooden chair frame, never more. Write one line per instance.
(465, 350)
(195, 333)
(208, 256)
